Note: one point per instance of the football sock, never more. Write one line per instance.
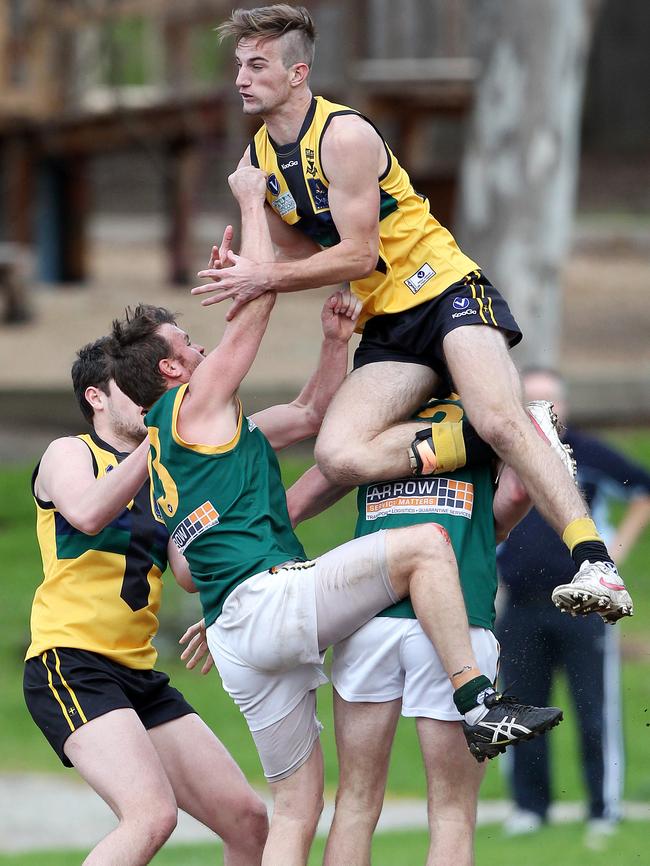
(469, 698)
(584, 542)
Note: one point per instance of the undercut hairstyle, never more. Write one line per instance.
(271, 22)
(91, 369)
(136, 349)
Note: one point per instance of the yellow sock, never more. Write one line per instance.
(579, 530)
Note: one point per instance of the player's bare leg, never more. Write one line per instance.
(490, 389)
(208, 785)
(114, 754)
(297, 805)
(420, 562)
(364, 737)
(453, 781)
(358, 441)
(486, 378)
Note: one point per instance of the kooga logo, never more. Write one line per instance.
(289, 164)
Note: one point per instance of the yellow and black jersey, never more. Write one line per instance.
(100, 592)
(418, 257)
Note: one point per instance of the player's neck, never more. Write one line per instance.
(120, 441)
(283, 123)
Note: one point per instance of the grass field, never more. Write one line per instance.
(561, 845)
(26, 750)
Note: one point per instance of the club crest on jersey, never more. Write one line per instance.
(273, 184)
(420, 277)
(195, 524)
(318, 193)
(310, 159)
(461, 303)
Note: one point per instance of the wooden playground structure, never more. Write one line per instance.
(80, 78)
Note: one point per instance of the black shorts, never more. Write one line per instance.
(64, 688)
(415, 336)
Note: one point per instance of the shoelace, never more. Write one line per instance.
(515, 707)
(593, 569)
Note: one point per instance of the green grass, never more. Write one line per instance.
(26, 750)
(557, 845)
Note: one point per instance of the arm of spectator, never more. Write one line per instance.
(634, 521)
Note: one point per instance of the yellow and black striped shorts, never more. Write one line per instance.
(65, 688)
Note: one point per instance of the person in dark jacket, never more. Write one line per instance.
(538, 641)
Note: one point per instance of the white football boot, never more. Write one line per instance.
(598, 588)
(545, 419)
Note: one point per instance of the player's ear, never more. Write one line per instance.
(169, 368)
(299, 74)
(94, 397)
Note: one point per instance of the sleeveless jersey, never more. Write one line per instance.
(225, 506)
(418, 257)
(461, 503)
(101, 592)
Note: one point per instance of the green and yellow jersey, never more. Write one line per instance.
(225, 506)
(461, 502)
(101, 592)
(418, 257)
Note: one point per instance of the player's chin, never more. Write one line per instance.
(251, 107)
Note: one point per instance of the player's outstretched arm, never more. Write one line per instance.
(311, 494)
(286, 424)
(214, 383)
(511, 503)
(351, 156)
(66, 477)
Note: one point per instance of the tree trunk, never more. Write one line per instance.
(520, 166)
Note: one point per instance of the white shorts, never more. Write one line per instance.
(268, 641)
(390, 658)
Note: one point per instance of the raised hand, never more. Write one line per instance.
(247, 184)
(340, 314)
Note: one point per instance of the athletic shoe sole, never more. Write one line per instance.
(581, 602)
